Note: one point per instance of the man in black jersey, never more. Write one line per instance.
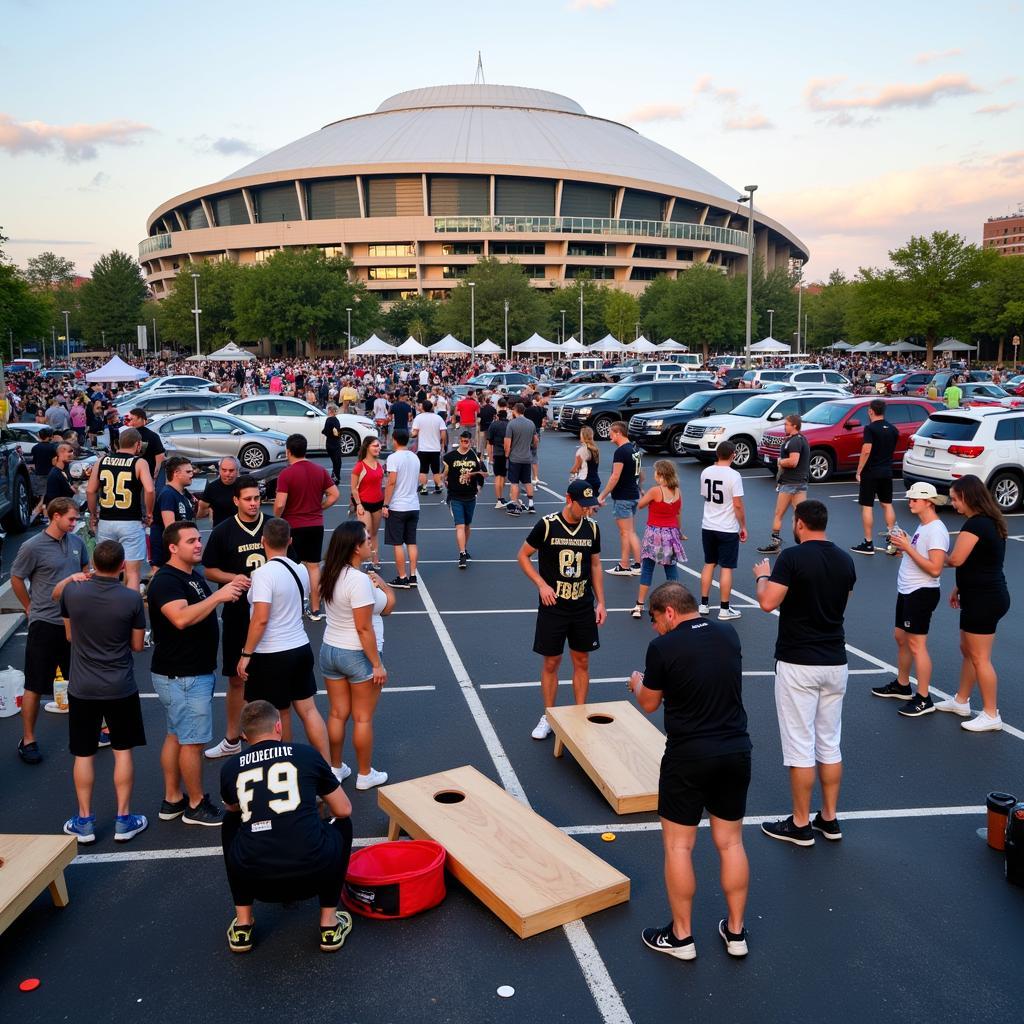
(571, 593)
(120, 495)
(277, 849)
(233, 551)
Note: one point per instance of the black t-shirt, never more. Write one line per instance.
(627, 488)
(882, 436)
(42, 455)
(698, 666)
(563, 558)
(536, 414)
(58, 485)
(152, 446)
(795, 474)
(275, 786)
(487, 414)
(332, 431)
(182, 505)
(819, 576)
(221, 499)
(455, 464)
(496, 435)
(400, 413)
(181, 652)
(983, 568)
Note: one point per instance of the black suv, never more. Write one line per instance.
(623, 401)
(15, 486)
(656, 431)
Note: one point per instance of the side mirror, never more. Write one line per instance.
(237, 432)
(852, 425)
(775, 416)
(310, 413)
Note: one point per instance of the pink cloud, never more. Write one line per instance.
(78, 141)
(589, 5)
(933, 55)
(724, 94)
(997, 108)
(657, 112)
(752, 123)
(922, 94)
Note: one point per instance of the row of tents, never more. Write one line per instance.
(865, 347)
(534, 345)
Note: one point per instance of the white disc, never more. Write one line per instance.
(506, 991)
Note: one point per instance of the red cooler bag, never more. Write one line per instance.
(392, 880)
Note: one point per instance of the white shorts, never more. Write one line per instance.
(131, 536)
(809, 703)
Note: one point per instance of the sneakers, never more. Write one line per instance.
(421, 490)
(413, 582)
(128, 826)
(223, 749)
(513, 509)
(788, 832)
(204, 813)
(829, 829)
(703, 609)
(333, 937)
(435, 491)
(952, 705)
(463, 562)
(634, 569)
(401, 583)
(663, 940)
(240, 936)
(542, 730)
(983, 723)
(317, 616)
(618, 570)
(735, 943)
(638, 611)
(377, 567)
(773, 547)
(371, 778)
(169, 811)
(917, 706)
(865, 547)
(499, 504)
(342, 773)
(893, 689)
(530, 508)
(83, 829)
(29, 752)
(104, 740)
(729, 613)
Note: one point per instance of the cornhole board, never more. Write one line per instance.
(533, 876)
(29, 865)
(617, 746)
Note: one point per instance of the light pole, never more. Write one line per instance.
(348, 352)
(749, 198)
(799, 307)
(581, 313)
(636, 330)
(506, 327)
(154, 335)
(771, 323)
(67, 335)
(196, 310)
(103, 335)
(563, 325)
(472, 315)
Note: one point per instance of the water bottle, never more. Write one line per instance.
(60, 692)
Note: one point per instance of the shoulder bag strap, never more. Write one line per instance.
(295, 576)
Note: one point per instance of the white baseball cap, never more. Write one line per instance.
(926, 492)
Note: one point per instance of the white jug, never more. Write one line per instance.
(12, 689)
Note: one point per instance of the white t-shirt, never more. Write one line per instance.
(354, 589)
(406, 468)
(380, 408)
(441, 404)
(927, 537)
(424, 378)
(429, 425)
(273, 584)
(718, 486)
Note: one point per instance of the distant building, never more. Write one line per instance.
(1005, 234)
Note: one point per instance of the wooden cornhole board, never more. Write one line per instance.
(533, 876)
(30, 865)
(622, 756)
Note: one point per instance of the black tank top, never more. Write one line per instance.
(120, 491)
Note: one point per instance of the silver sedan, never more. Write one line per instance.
(210, 436)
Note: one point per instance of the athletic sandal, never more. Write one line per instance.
(638, 611)
(240, 936)
(333, 937)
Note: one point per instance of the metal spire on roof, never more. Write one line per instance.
(478, 78)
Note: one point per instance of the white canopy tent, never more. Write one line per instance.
(770, 345)
(535, 343)
(488, 347)
(908, 346)
(671, 345)
(864, 346)
(373, 346)
(607, 344)
(449, 346)
(229, 353)
(641, 344)
(953, 345)
(841, 346)
(116, 370)
(411, 347)
(572, 345)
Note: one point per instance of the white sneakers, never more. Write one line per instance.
(342, 773)
(223, 749)
(730, 613)
(954, 707)
(703, 609)
(983, 723)
(543, 730)
(371, 779)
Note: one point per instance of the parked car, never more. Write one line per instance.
(779, 385)
(989, 395)
(988, 443)
(745, 424)
(211, 436)
(26, 436)
(663, 430)
(802, 379)
(16, 499)
(835, 432)
(622, 401)
(58, 374)
(943, 377)
(910, 383)
(503, 382)
(175, 382)
(571, 394)
(295, 416)
(161, 403)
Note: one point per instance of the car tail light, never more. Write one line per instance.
(966, 451)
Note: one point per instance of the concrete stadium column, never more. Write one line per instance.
(300, 192)
(250, 206)
(208, 212)
(362, 196)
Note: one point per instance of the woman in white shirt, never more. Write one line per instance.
(350, 656)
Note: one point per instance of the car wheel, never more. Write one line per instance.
(675, 443)
(821, 466)
(17, 520)
(603, 427)
(253, 456)
(745, 451)
(1007, 490)
(349, 442)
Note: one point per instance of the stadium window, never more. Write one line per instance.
(392, 249)
(462, 249)
(391, 273)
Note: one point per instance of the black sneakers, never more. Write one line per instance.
(169, 811)
(894, 689)
(333, 936)
(240, 936)
(463, 563)
(735, 943)
(400, 583)
(829, 829)
(773, 547)
(29, 752)
(662, 940)
(917, 706)
(412, 581)
(204, 813)
(865, 547)
(788, 832)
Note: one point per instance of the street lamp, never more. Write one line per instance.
(749, 198)
(636, 330)
(196, 311)
(581, 314)
(103, 335)
(506, 327)
(472, 315)
(348, 314)
(799, 306)
(563, 325)
(67, 335)
(771, 323)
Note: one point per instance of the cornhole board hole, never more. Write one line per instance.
(617, 746)
(28, 865)
(530, 874)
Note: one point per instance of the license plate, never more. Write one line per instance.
(929, 453)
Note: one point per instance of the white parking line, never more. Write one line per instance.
(384, 689)
(622, 679)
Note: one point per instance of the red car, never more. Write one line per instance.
(835, 432)
(910, 384)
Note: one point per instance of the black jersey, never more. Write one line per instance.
(563, 558)
(235, 547)
(275, 786)
(120, 491)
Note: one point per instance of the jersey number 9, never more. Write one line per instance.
(282, 777)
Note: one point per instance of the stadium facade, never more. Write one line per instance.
(415, 192)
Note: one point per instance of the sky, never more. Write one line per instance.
(861, 124)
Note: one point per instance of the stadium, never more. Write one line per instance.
(415, 192)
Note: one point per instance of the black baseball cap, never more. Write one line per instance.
(465, 433)
(582, 493)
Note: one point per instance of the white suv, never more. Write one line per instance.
(746, 423)
(985, 442)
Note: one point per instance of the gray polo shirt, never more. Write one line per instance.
(521, 432)
(103, 612)
(44, 562)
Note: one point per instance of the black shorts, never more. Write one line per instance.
(879, 487)
(980, 611)
(123, 716)
(430, 462)
(307, 544)
(234, 630)
(555, 626)
(372, 506)
(721, 548)
(500, 465)
(400, 527)
(520, 472)
(281, 677)
(914, 610)
(46, 650)
(687, 786)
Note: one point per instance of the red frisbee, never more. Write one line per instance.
(29, 985)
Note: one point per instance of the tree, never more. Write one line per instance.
(48, 270)
(701, 307)
(217, 286)
(774, 291)
(112, 300)
(1000, 304)
(568, 298)
(829, 309)
(24, 313)
(418, 311)
(621, 314)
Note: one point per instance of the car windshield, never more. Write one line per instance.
(826, 414)
(576, 389)
(696, 401)
(992, 390)
(755, 408)
(618, 392)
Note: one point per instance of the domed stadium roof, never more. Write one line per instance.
(496, 125)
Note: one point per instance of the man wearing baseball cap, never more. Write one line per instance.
(917, 585)
(569, 580)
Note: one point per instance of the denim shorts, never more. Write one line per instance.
(791, 489)
(131, 536)
(462, 511)
(625, 509)
(342, 663)
(188, 703)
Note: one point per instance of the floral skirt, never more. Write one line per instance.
(663, 545)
